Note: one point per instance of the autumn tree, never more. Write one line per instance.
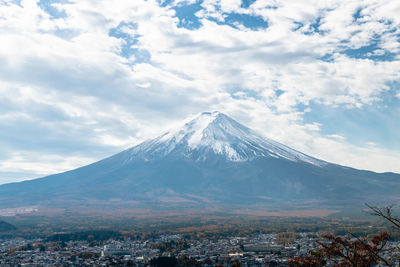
(346, 251)
(387, 214)
(352, 250)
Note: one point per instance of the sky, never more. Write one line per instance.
(81, 80)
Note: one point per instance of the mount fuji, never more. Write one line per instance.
(210, 160)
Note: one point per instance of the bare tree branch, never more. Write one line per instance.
(386, 213)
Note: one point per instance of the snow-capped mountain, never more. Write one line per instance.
(209, 160)
(215, 133)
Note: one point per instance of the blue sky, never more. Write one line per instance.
(81, 80)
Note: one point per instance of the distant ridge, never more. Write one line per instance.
(6, 227)
(209, 161)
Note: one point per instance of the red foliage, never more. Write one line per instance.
(343, 251)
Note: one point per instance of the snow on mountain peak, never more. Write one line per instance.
(219, 134)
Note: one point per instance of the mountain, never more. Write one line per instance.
(208, 161)
(6, 227)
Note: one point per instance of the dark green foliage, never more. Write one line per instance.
(173, 262)
(171, 246)
(188, 262)
(164, 262)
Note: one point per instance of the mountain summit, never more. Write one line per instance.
(217, 134)
(210, 160)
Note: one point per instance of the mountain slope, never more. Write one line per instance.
(210, 160)
(6, 227)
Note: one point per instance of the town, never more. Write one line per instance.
(272, 249)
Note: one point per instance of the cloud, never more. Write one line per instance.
(85, 79)
(37, 164)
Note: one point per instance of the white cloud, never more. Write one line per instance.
(41, 164)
